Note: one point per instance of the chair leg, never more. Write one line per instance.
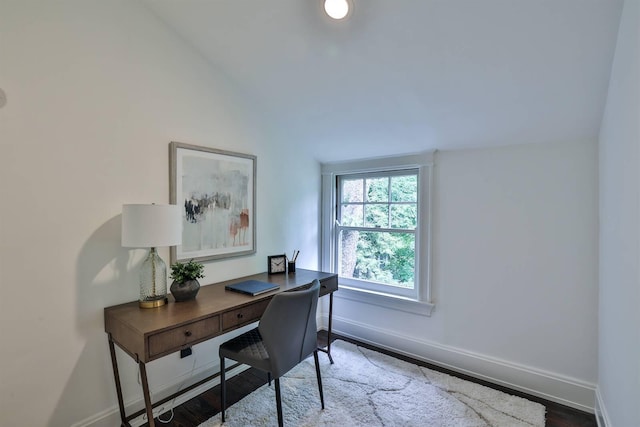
(279, 402)
(269, 378)
(315, 358)
(223, 389)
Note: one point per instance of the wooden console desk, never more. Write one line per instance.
(147, 334)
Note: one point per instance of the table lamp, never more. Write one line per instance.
(151, 226)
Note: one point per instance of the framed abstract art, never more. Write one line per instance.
(217, 192)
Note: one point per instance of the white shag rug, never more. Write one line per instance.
(367, 388)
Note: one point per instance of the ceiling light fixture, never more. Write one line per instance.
(336, 9)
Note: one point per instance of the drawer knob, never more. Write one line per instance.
(240, 316)
(187, 333)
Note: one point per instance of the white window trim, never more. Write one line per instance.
(424, 163)
(394, 302)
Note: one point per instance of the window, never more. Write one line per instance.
(377, 215)
(375, 235)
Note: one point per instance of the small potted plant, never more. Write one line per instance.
(185, 277)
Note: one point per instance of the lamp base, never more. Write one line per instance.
(153, 281)
(153, 303)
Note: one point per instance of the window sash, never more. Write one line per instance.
(372, 285)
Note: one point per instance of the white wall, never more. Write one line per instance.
(96, 90)
(619, 314)
(514, 272)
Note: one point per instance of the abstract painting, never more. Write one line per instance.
(216, 190)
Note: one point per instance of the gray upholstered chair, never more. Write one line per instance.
(285, 336)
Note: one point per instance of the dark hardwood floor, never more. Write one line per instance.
(207, 404)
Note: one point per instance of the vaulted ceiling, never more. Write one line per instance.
(403, 76)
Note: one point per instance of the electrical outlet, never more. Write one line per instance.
(185, 352)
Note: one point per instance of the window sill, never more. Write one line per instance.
(392, 302)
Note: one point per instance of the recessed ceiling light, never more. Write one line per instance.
(336, 9)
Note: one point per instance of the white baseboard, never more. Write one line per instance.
(602, 416)
(111, 416)
(547, 385)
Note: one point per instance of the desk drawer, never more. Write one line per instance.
(329, 285)
(244, 315)
(183, 336)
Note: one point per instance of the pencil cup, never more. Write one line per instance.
(292, 267)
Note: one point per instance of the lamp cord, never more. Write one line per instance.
(173, 401)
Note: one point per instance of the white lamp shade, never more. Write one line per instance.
(151, 226)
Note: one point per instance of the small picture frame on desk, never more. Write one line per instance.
(277, 264)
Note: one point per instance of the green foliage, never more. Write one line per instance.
(385, 258)
(403, 188)
(182, 272)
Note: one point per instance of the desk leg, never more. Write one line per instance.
(328, 350)
(147, 396)
(329, 331)
(116, 376)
